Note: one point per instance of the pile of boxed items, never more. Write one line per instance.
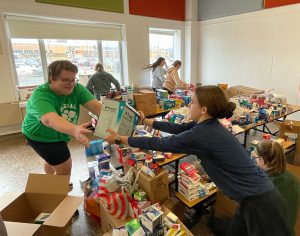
(152, 221)
(259, 107)
(45, 208)
(179, 116)
(126, 95)
(167, 102)
(97, 169)
(189, 183)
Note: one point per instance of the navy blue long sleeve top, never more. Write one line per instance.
(225, 160)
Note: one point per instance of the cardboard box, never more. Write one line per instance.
(43, 194)
(145, 101)
(224, 206)
(157, 188)
(243, 91)
(117, 115)
(291, 127)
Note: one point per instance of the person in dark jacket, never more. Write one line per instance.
(262, 210)
(100, 82)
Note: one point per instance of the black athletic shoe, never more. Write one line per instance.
(70, 187)
(75, 215)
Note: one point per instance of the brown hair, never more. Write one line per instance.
(176, 63)
(99, 67)
(273, 155)
(56, 67)
(213, 98)
(154, 64)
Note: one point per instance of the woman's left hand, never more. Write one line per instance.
(111, 137)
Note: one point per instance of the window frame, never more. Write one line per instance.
(176, 33)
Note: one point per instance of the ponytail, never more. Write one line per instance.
(228, 112)
(213, 98)
(273, 155)
(279, 161)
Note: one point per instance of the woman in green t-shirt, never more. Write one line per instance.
(52, 113)
(270, 157)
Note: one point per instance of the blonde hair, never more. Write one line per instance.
(273, 155)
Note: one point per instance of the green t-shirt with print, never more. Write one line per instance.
(44, 100)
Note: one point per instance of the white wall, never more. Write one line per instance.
(259, 49)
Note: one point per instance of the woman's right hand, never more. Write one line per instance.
(80, 133)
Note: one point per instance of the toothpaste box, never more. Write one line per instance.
(138, 156)
(151, 218)
(117, 115)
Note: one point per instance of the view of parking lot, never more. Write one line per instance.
(84, 53)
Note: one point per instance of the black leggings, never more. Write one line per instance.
(264, 214)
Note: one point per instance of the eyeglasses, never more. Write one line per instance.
(68, 81)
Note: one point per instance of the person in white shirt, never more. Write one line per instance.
(158, 72)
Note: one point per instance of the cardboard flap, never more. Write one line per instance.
(50, 184)
(17, 229)
(64, 212)
(7, 198)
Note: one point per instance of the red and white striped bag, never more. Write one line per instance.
(117, 203)
(115, 194)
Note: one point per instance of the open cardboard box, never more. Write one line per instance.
(43, 194)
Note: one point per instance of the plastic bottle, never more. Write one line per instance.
(105, 147)
(91, 170)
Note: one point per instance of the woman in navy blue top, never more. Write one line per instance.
(262, 210)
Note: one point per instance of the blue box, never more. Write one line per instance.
(169, 104)
(187, 99)
(95, 148)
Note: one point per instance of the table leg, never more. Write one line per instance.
(245, 137)
(176, 175)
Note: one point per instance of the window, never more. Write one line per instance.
(164, 43)
(83, 53)
(34, 48)
(28, 66)
(111, 58)
(29, 54)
